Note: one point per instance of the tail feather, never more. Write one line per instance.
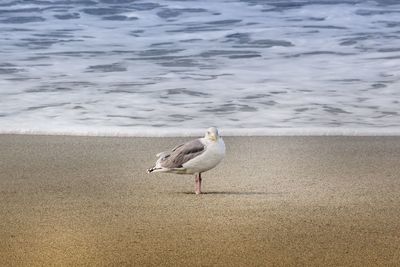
(153, 169)
(162, 154)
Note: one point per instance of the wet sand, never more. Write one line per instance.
(274, 201)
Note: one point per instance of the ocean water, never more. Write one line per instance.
(133, 67)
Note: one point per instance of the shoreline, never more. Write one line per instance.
(310, 200)
(230, 132)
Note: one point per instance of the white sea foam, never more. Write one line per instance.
(143, 68)
(165, 132)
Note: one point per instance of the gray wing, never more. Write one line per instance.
(167, 153)
(182, 154)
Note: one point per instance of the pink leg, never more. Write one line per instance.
(198, 183)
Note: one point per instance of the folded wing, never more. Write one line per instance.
(182, 154)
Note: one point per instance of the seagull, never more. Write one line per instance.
(194, 157)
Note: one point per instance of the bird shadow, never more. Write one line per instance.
(233, 193)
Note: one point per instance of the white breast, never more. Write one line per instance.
(211, 157)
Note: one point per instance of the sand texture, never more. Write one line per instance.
(274, 201)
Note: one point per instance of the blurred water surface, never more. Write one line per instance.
(121, 65)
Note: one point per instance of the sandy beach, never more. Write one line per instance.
(274, 201)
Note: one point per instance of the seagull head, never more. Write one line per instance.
(212, 134)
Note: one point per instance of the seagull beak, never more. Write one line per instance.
(213, 137)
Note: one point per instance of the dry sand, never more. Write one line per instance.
(274, 201)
